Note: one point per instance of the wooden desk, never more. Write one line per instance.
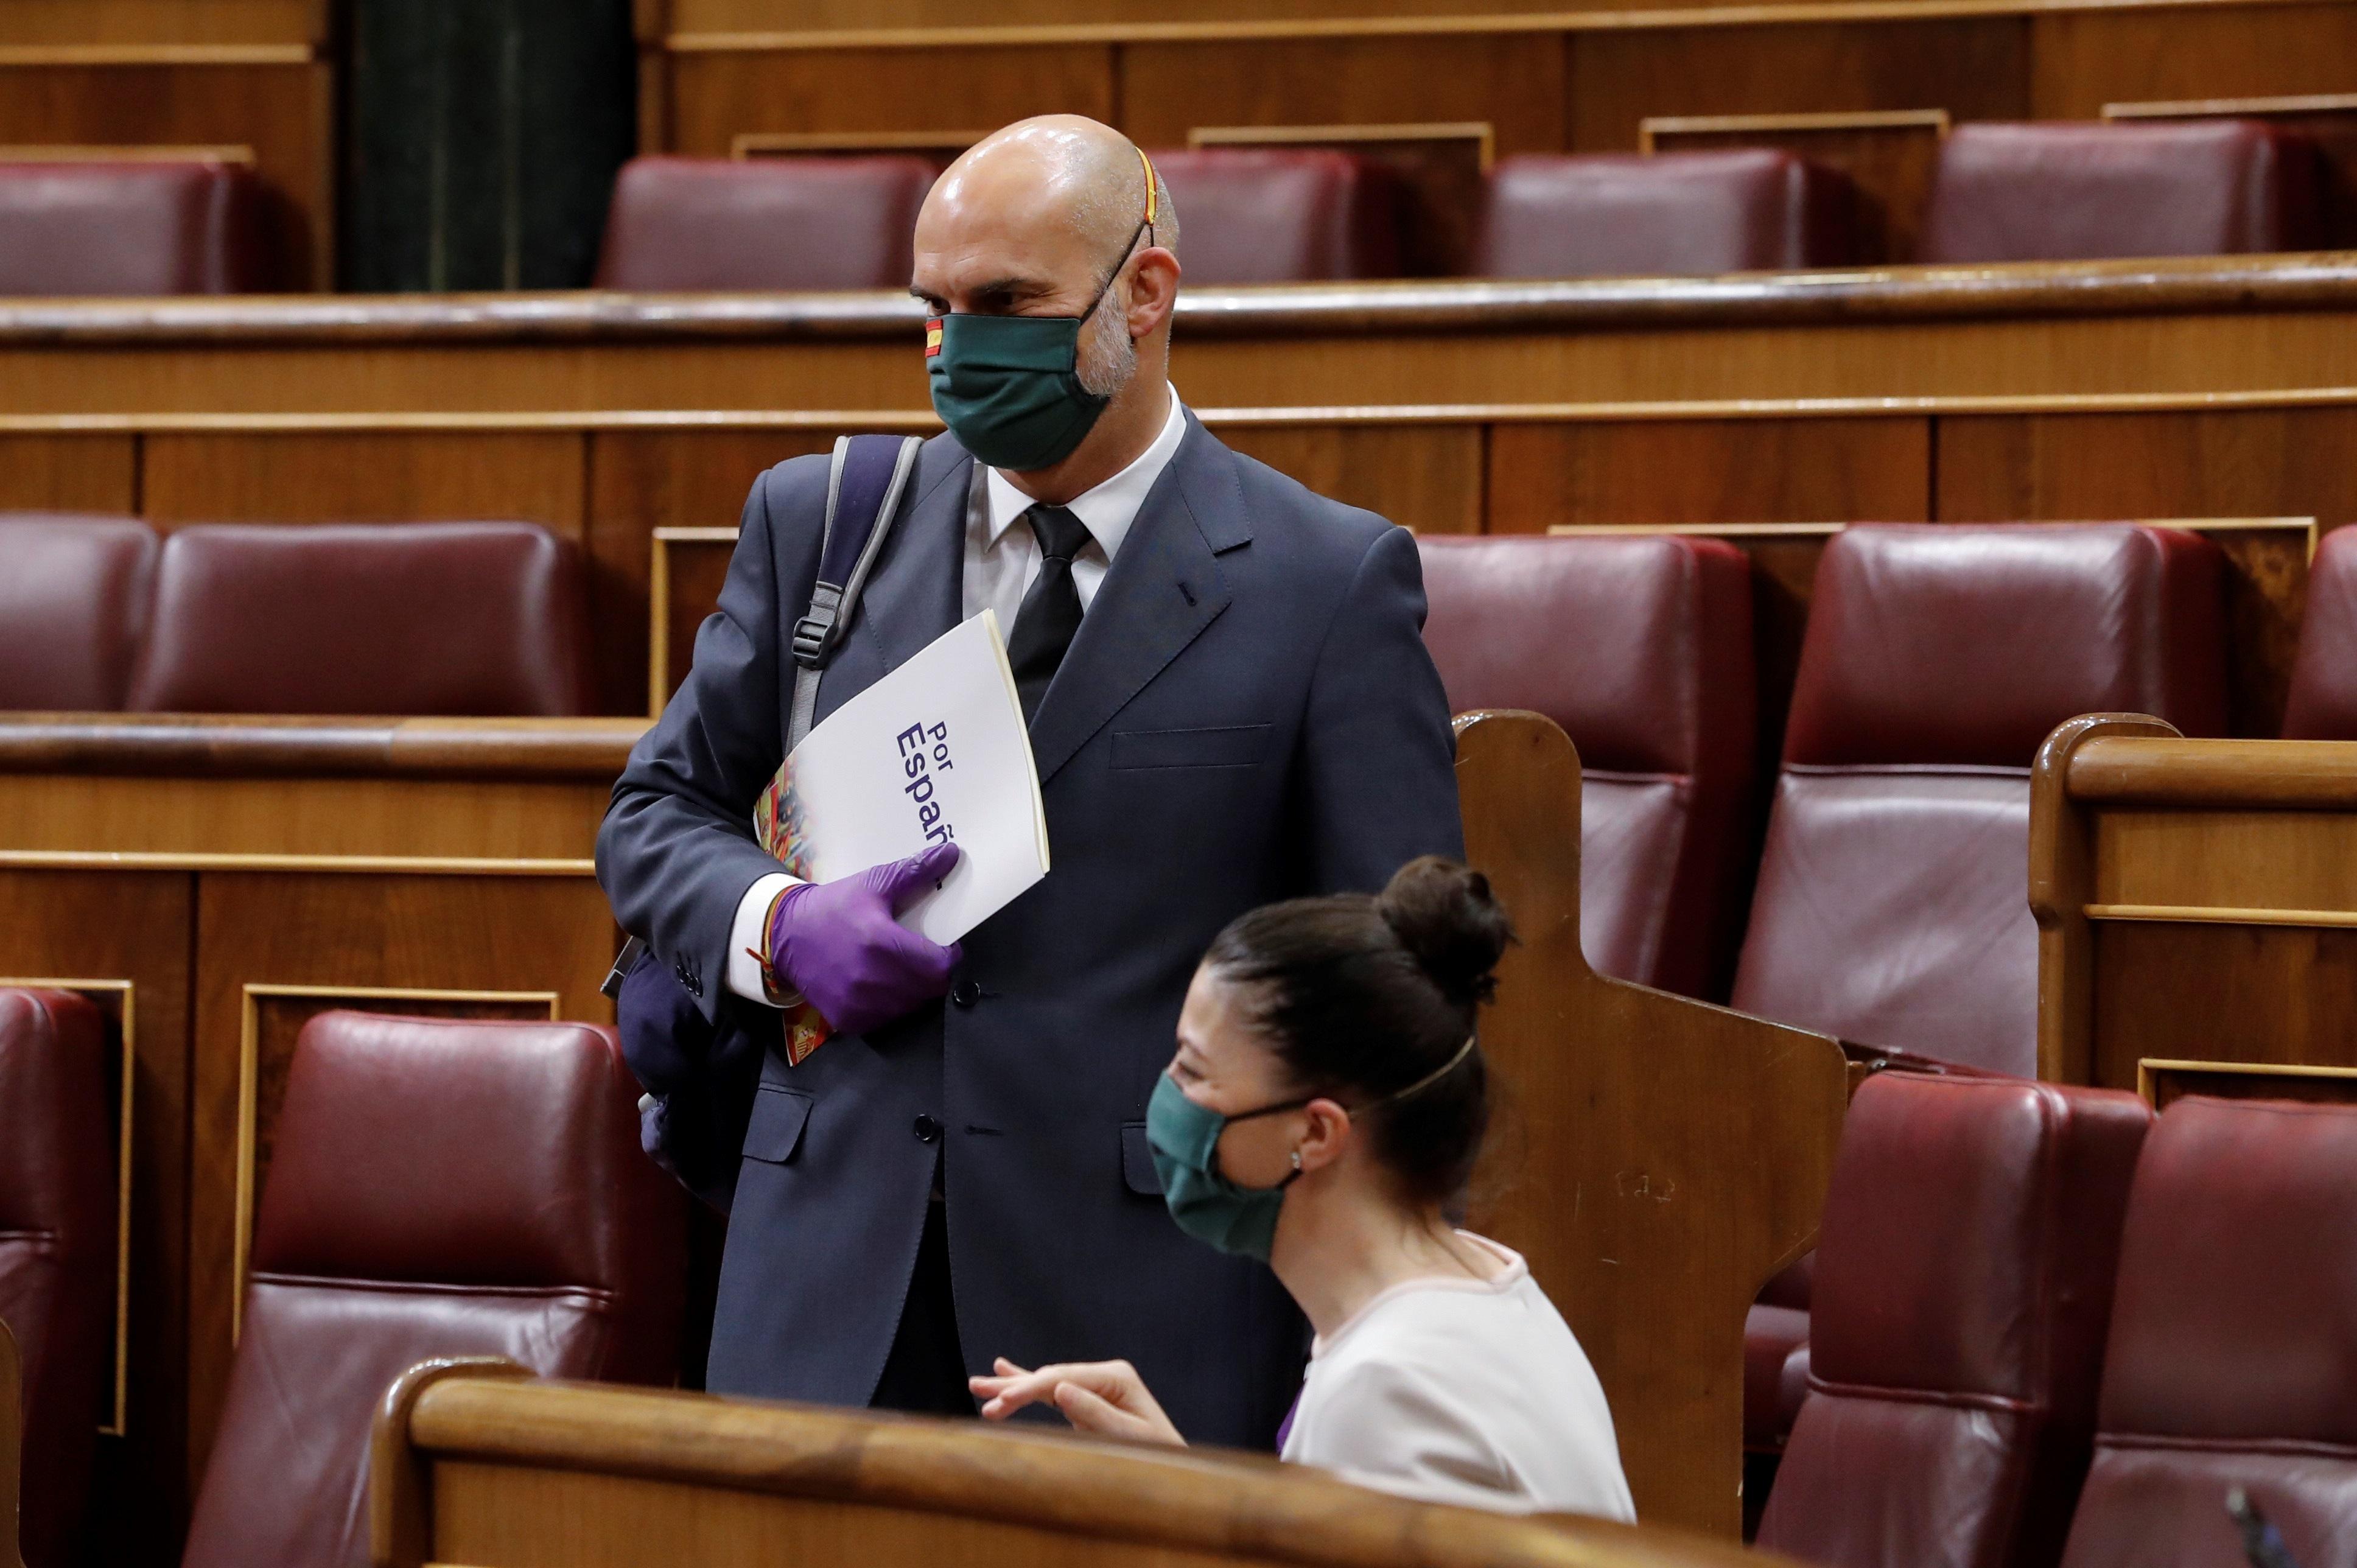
(1658, 1159)
(473, 1462)
(2196, 901)
(214, 883)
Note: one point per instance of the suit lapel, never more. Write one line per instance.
(914, 594)
(1159, 594)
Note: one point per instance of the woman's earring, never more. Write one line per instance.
(1296, 1159)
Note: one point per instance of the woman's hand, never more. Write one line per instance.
(1105, 1397)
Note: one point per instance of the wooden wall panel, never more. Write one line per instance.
(716, 96)
(282, 111)
(2084, 59)
(133, 927)
(68, 473)
(1977, 68)
(151, 22)
(462, 933)
(1424, 477)
(1715, 470)
(2236, 993)
(392, 475)
(643, 480)
(1514, 82)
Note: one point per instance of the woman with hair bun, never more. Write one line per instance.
(1326, 1106)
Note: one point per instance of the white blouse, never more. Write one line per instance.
(1463, 1390)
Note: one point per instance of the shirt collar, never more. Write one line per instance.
(1106, 511)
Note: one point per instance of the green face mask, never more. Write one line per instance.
(1009, 386)
(1185, 1138)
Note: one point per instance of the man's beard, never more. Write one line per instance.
(1108, 359)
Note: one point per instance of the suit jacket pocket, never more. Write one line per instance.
(775, 1130)
(1138, 1170)
(1229, 745)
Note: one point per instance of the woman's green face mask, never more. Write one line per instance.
(1185, 1138)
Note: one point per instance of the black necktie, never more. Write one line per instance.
(1051, 610)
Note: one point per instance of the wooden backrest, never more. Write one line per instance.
(2196, 901)
(474, 1463)
(1656, 1159)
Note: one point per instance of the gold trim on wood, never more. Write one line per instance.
(1653, 126)
(1477, 130)
(415, 865)
(247, 1081)
(2147, 1067)
(40, 153)
(2206, 108)
(122, 1182)
(19, 55)
(748, 144)
(2206, 915)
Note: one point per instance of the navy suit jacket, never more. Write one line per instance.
(1247, 714)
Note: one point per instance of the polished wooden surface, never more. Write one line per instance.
(471, 1463)
(233, 876)
(2196, 900)
(2160, 1082)
(1661, 1158)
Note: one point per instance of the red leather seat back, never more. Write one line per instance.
(1271, 215)
(2057, 192)
(1963, 1287)
(436, 1188)
(1670, 215)
(2322, 703)
(73, 607)
(687, 224)
(1639, 647)
(1892, 903)
(135, 227)
(399, 618)
(57, 1250)
(2233, 1342)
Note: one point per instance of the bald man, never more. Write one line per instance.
(1229, 703)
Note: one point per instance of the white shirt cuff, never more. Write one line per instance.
(748, 935)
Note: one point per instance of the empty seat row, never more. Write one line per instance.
(1999, 192)
(484, 618)
(436, 1188)
(2052, 1330)
(133, 227)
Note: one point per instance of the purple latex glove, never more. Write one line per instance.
(839, 944)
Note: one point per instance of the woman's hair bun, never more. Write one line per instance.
(1446, 916)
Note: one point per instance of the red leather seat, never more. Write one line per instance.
(1892, 903)
(56, 1252)
(1270, 215)
(417, 618)
(1670, 215)
(73, 606)
(2233, 1343)
(686, 224)
(2322, 703)
(2057, 192)
(436, 1187)
(1639, 647)
(1963, 1287)
(133, 227)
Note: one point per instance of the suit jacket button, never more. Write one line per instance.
(965, 993)
(928, 1130)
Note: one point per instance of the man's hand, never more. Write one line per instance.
(839, 944)
(1105, 1397)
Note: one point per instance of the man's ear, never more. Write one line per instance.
(1327, 1135)
(1153, 290)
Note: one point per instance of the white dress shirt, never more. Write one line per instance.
(1463, 1390)
(1001, 563)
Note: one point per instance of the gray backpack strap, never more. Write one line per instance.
(867, 478)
